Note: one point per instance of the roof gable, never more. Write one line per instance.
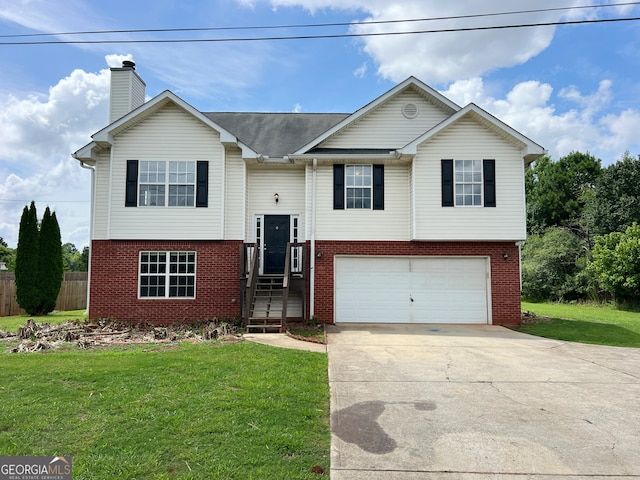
(411, 86)
(530, 149)
(105, 136)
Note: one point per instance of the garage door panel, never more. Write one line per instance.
(411, 290)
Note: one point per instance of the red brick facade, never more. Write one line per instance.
(505, 275)
(114, 278)
(114, 282)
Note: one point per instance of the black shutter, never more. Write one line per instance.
(338, 186)
(489, 178)
(447, 183)
(131, 188)
(202, 184)
(378, 187)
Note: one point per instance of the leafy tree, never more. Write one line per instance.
(7, 255)
(550, 266)
(615, 204)
(27, 254)
(84, 263)
(50, 266)
(557, 192)
(75, 261)
(616, 263)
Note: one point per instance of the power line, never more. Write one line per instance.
(324, 36)
(43, 201)
(315, 25)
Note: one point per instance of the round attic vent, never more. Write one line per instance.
(410, 110)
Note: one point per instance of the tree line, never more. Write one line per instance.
(73, 260)
(583, 239)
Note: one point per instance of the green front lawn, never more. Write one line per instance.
(11, 324)
(168, 411)
(596, 324)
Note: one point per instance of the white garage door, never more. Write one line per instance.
(411, 290)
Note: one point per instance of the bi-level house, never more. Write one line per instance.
(409, 210)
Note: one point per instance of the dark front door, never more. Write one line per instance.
(276, 236)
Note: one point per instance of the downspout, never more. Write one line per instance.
(93, 183)
(519, 245)
(312, 262)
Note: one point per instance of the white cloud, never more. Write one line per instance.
(38, 127)
(445, 57)
(584, 126)
(39, 133)
(115, 61)
(297, 108)
(361, 71)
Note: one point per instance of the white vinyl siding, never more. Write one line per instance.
(101, 201)
(386, 126)
(467, 139)
(127, 93)
(167, 135)
(235, 192)
(392, 223)
(264, 181)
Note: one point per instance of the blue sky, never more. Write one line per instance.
(572, 87)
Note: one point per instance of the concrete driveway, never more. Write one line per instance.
(479, 402)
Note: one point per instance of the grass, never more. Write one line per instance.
(181, 411)
(584, 323)
(11, 324)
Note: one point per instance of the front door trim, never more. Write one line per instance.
(259, 231)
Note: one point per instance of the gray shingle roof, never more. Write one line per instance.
(276, 134)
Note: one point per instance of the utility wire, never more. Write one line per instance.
(322, 36)
(314, 25)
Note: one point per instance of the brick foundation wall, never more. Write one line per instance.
(114, 282)
(505, 275)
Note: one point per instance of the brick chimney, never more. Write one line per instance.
(127, 90)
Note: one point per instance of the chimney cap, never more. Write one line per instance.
(128, 64)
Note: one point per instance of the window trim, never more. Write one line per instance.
(167, 184)
(200, 185)
(340, 188)
(488, 183)
(359, 187)
(167, 274)
(472, 183)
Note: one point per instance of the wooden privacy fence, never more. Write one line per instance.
(72, 296)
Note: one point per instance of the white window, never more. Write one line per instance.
(358, 186)
(468, 182)
(167, 183)
(167, 274)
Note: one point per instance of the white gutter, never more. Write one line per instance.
(93, 189)
(312, 254)
(393, 155)
(519, 245)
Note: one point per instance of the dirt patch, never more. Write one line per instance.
(37, 337)
(529, 318)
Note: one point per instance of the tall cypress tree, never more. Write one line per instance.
(50, 265)
(27, 255)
